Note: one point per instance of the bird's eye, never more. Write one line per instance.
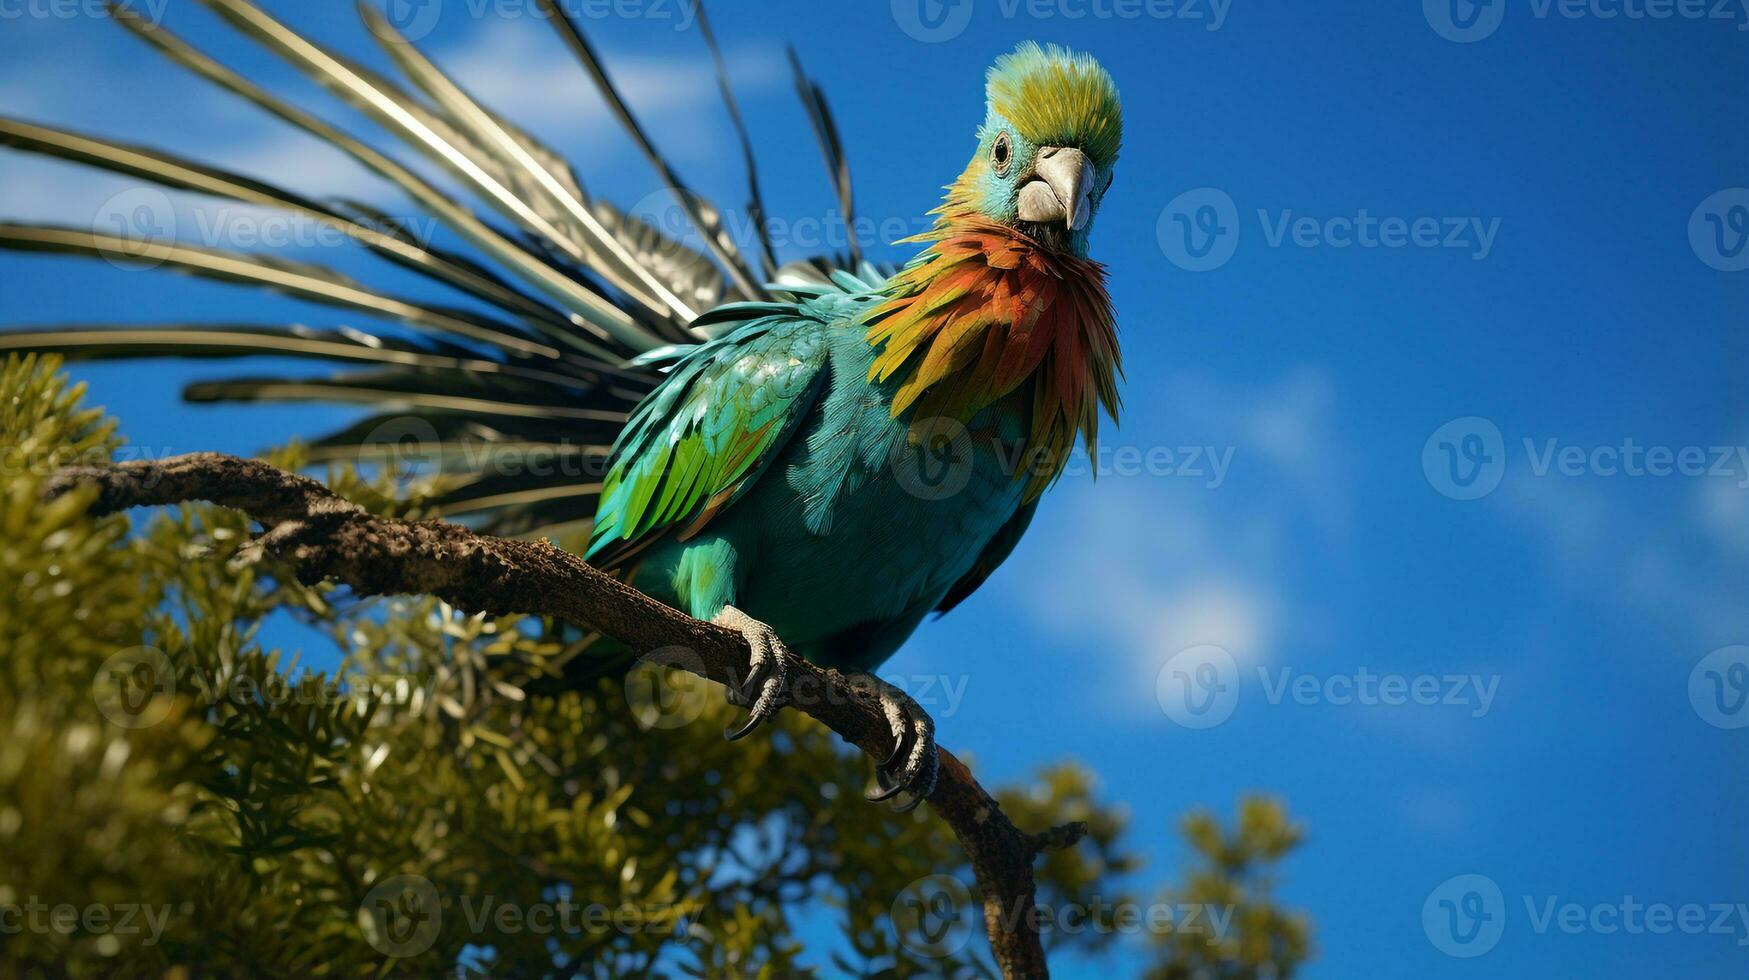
(1000, 154)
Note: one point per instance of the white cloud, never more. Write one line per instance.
(1572, 518)
(302, 163)
(516, 68)
(41, 190)
(1236, 616)
(1129, 570)
(1290, 422)
(1442, 812)
(1673, 551)
(1722, 508)
(523, 73)
(1143, 567)
(1285, 431)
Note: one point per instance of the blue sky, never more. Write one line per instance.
(1575, 281)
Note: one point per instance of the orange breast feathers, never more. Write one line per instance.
(985, 309)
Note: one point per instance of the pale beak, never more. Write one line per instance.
(1061, 188)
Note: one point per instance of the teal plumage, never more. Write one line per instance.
(767, 472)
(771, 456)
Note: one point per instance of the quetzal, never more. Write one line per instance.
(760, 456)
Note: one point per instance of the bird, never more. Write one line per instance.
(817, 455)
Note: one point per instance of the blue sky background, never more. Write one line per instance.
(1584, 601)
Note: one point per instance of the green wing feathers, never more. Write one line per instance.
(711, 428)
(583, 297)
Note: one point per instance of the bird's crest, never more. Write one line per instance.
(986, 308)
(1056, 97)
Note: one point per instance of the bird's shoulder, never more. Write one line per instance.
(725, 410)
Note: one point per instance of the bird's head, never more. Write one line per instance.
(1047, 148)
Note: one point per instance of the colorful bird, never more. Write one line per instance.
(818, 463)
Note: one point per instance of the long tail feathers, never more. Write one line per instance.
(755, 201)
(519, 407)
(702, 216)
(831, 147)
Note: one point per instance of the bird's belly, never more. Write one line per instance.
(900, 535)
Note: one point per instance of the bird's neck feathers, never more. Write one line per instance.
(984, 309)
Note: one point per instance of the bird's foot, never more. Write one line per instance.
(767, 685)
(913, 766)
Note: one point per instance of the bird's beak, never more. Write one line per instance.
(1061, 188)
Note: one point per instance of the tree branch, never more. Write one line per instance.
(328, 537)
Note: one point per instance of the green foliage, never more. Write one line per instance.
(1241, 932)
(178, 801)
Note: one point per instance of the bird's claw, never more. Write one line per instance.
(767, 685)
(913, 765)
